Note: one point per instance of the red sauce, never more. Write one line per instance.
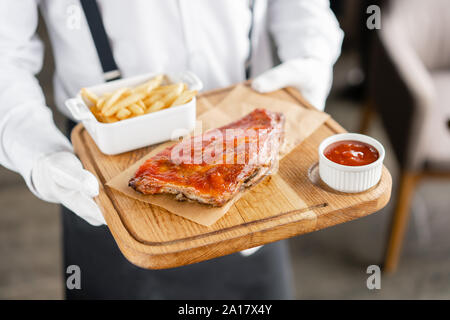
(351, 153)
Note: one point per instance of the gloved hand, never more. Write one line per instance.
(60, 178)
(310, 76)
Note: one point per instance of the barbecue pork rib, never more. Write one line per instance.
(215, 166)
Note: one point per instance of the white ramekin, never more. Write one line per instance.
(351, 179)
(141, 131)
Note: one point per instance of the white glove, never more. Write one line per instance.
(310, 76)
(60, 178)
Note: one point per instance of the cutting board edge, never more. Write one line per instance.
(221, 248)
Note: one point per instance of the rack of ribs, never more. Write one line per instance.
(215, 166)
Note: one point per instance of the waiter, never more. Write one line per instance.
(221, 41)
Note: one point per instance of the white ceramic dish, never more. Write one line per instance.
(351, 179)
(141, 131)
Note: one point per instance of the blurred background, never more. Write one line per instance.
(392, 83)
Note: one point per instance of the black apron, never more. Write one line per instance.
(106, 274)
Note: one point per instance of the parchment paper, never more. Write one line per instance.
(300, 123)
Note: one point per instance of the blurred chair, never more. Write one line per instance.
(409, 87)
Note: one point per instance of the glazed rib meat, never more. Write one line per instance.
(215, 166)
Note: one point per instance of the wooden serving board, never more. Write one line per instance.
(154, 238)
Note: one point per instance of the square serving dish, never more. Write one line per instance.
(140, 131)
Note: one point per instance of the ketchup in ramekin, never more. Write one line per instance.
(351, 153)
(350, 162)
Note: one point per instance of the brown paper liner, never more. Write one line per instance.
(300, 123)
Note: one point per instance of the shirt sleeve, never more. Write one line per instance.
(27, 129)
(305, 29)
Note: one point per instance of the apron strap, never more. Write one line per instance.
(248, 67)
(98, 33)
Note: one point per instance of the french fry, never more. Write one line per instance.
(142, 87)
(184, 97)
(125, 102)
(104, 119)
(156, 83)
(142, 104)
(101, 102)
(167, 88)
(123, 113)
(136, 109)
(173, 94)
(158, 105)
(151, 84)
(151, 96)
(113, 99)
(89, 96)
(95, 112)
(152, 99)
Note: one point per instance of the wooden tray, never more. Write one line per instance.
(158, 239)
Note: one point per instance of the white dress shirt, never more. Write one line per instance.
(208, 37)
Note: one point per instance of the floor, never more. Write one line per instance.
(329, 264)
